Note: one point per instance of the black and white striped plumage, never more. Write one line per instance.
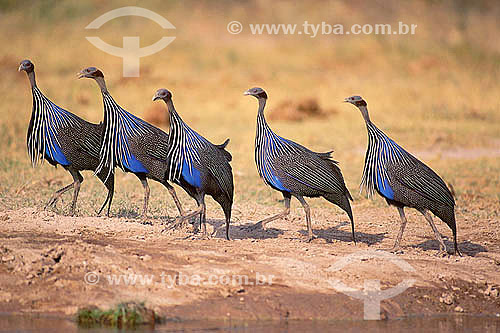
(295, 170)
(131, 144)
(402, 179)
(198, 164)
(62, 138)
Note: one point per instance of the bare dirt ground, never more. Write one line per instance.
(46, 259)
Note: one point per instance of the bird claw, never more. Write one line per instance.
(310, 238)
(442, 253)
(50, 203)
(179, 222)
(254, 227)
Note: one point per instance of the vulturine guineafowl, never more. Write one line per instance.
(295, 170)
(131, 143)
(62, 138)
(403, 180)
(198, 165)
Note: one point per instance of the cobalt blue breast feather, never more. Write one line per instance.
(47, 121)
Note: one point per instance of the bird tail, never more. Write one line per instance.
(447, 215)
(227, 154)
(223, 145)
(343, 202)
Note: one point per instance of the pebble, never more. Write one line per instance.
(458, 308)
(447, 298)
(487, 292)
(8, 258)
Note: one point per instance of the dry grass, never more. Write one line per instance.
(434, 92)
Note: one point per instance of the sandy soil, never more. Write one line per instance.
(45, 259)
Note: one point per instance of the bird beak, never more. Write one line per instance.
(155, 97)
(345, 100)
(80, 75)
(20, 68)
(246, 93)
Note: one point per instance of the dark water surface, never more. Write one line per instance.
(438, 323)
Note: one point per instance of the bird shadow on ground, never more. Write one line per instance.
(243, 231)
(126, 213)
(468, 248)
(334, 233)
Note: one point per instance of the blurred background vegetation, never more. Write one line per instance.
(436, 92)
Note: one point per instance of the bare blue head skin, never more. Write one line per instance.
(256, 92)
(29, 68)
(163, 94)
(96, 74)
(166, 96)
(261, 96)
(359, 102)
(355, 100)
(26, 65)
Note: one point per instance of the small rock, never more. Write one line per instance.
(447, 298)
(70, 310)
(455, 288)
(458, 308)
(225, 293)
(59, 284)
(5, 296)
(146, 257)
(9, 257)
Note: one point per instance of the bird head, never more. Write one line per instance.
(90, 72)
(26, 65)
(163, 94)
(355, 100)
(256, 92)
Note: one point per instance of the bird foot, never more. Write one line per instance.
(396, 249)
(50, 203)
(311, 237)
(255, 227)
(178, 223)
(442, 253)
(202, 236)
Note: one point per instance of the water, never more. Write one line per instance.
(439, 323)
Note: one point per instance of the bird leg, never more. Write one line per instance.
(78, 179)
(203, 220)
(144, 182)
(110, 185)
(55, 197)
(439, 238)
(75, 197)
(180, 220)
(262, 224)
(310, 235)
(171, 190)
(396, 246)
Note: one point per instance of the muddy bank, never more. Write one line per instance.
(57, 264)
